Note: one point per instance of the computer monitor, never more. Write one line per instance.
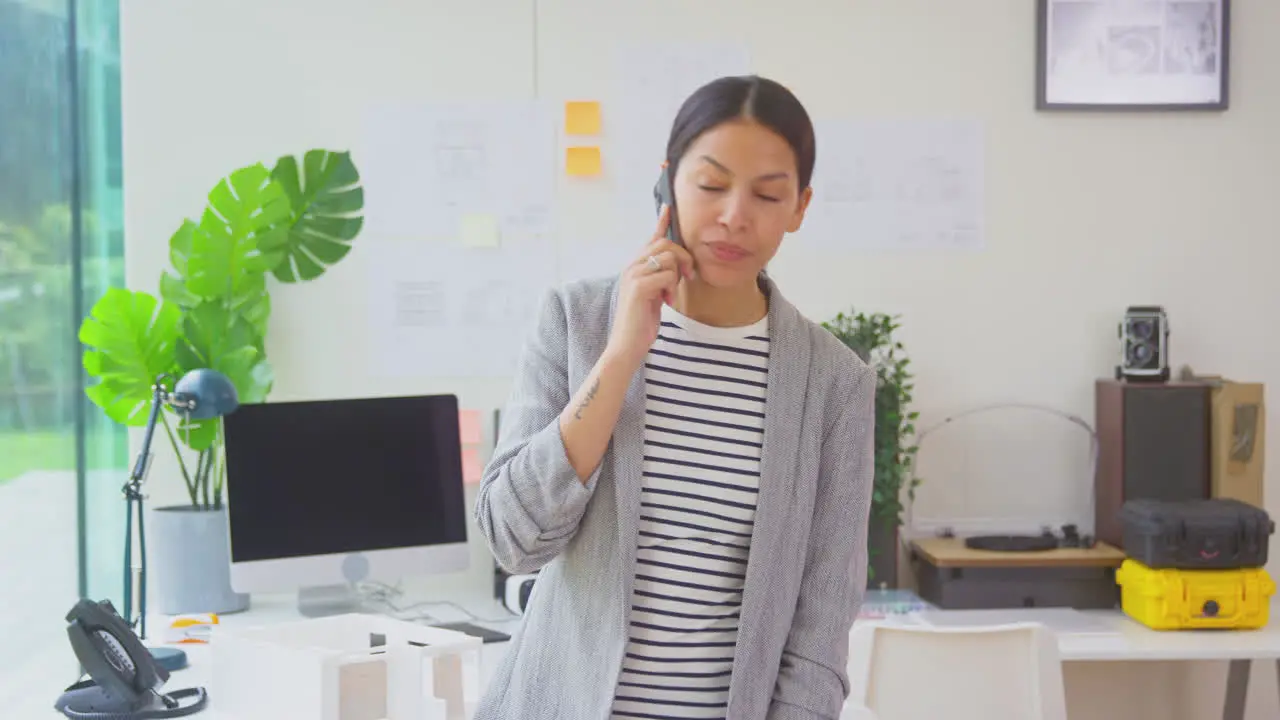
(324, 494)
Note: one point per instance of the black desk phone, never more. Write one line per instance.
(125, 681)
(664, 194)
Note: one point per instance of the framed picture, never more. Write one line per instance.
(1132, 54)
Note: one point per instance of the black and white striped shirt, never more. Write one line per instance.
(704, 429)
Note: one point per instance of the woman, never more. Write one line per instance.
(686, 459)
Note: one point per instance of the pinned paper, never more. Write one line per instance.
(469, 427)
(582, 161)
(582, 118)
(472, 468)
(479, 231)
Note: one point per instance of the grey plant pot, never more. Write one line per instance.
(189, 562)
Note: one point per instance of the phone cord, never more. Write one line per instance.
(173, 710)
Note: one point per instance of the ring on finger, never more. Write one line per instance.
(654, 264)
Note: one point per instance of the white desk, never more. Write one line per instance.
(269, 609)
(1122, 639)
(1134, 641)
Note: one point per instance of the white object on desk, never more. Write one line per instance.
(1000, 672)
(345, 666)
(1113, 636)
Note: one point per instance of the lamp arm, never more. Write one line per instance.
(140, 466)
(133, 497)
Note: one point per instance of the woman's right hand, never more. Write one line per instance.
(648, 282)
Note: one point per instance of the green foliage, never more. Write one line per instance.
(214, 307)
(44, 241)
(36, 392)
(321, 235)
(132, 337)
(871, 337)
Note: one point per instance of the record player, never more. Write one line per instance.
(1007, 571)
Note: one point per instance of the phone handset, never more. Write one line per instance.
(664, 194)
(125, 681)
(110, 652)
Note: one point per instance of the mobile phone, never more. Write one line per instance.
(663, 194)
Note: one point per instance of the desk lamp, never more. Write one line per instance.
(200, 395)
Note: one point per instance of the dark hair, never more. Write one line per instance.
(751, 96)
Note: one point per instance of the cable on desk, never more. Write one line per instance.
(386, 595)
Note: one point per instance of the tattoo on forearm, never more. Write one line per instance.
(591, 393)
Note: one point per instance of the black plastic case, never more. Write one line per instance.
(1216, 534)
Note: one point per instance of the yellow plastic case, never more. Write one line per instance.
(1188, 599)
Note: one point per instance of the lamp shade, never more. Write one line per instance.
(209, 392)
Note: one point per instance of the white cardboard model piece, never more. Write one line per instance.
(344, 667)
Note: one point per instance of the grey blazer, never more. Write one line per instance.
(807, 565)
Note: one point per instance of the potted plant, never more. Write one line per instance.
(871, 337)
(213, 311)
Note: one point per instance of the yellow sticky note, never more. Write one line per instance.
(479, 231)
(582, 117)
(582, 161)
(472, 468)
(469, 427)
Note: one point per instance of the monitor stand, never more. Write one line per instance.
(327, 600)
(338, 599)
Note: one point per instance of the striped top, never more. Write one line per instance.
(704, 429)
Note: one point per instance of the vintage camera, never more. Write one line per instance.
(513, 591)
(1144, 345)
(519, 589)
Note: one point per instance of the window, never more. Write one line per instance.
(61, 244)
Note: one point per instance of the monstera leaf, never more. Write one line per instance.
(240, 236)
(249, 297)
(256, 310)
(172, 287)
(325, 202)
(196, 434)
(132, 339)
(214, 336)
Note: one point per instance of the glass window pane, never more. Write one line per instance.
(55, 449)
(102, 262)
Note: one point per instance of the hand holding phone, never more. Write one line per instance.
(649, 281)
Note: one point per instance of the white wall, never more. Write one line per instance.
(1085, 213)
